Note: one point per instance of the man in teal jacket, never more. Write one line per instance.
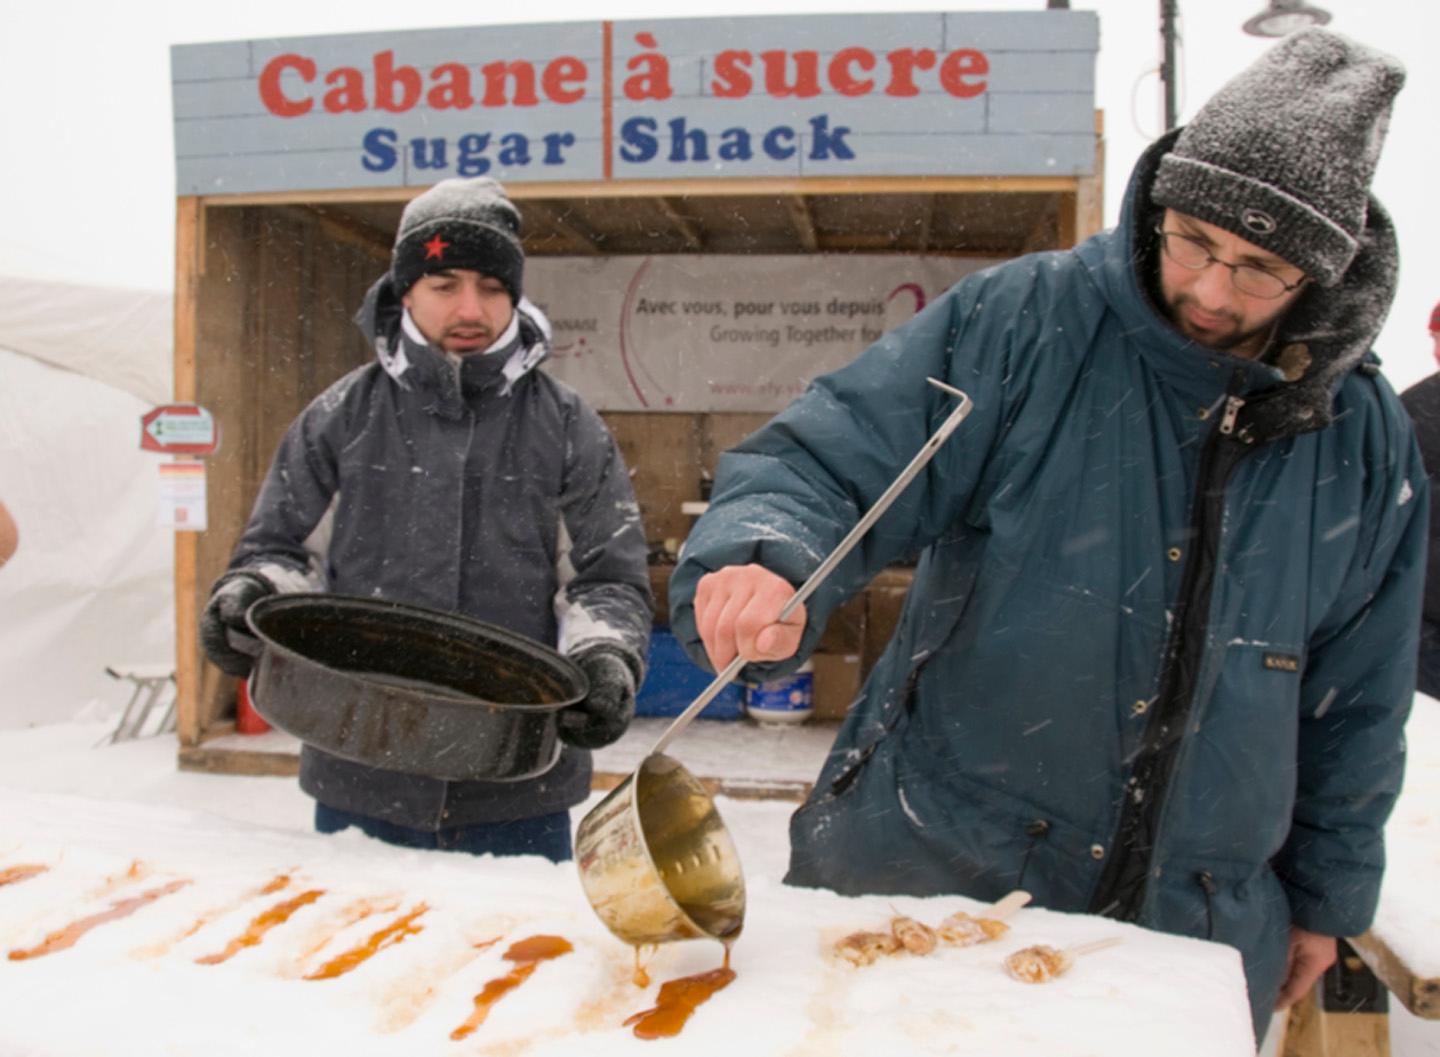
(1160, 646)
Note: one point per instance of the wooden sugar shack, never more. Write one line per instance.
(850, 159)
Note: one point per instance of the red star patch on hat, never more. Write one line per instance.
(436, 248)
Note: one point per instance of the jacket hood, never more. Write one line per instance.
(1326, 334)
(421, 366)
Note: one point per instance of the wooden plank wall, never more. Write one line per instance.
(667, 454)
(264, 298)
(273, 328)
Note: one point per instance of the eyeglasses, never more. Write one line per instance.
(1250, 279)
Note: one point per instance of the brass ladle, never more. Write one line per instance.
(656, 861)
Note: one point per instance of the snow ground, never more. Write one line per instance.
(133, 986)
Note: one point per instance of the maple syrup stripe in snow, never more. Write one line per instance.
(155, 950)
(391, 934)
(15, 874)
(526, 954)
(263, 923)
(68, 936)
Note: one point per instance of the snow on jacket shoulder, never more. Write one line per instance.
(475, 485)
(995, 742)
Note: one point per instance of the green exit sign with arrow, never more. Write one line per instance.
(179, 429)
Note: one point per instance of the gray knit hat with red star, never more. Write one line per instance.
(469, 224)
(1284, 153)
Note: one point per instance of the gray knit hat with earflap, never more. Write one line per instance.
(1283, 154)
(469, 224)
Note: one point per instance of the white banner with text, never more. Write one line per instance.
(708, 333)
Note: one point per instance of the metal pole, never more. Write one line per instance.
(1168, 11)
(927, 450)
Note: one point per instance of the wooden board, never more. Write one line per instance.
(1420, 995)
(710, 757)
(189, 256)
(1312, 1032)
(983, 217)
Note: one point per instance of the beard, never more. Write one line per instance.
(1226, 337)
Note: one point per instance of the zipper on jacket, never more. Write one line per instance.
(1233, 404)
(1120, 892)
(1206, 880)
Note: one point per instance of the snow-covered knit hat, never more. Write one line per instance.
(469, 224)
(1283, 154)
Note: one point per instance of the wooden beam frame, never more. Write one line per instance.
(1050, 229)
(798, 206)
(694, 239)
(588, 241)
(927, 224)
(189, 267)
(720, 187)
(352, 232)
(1087, 206)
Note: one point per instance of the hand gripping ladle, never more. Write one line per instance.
(655, 859)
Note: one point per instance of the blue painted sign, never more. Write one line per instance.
(992, 94)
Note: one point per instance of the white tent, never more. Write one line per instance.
(91, 584)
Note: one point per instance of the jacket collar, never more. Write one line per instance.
(414, 364)
(1326, 334)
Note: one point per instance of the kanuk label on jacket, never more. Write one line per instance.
(1282, 662)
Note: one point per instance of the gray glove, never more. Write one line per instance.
(225, 612)
(603, 716)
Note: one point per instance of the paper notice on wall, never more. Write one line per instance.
(182, 496)
(723, 333)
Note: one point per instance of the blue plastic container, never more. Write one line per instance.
(672, 681)
(779, 702)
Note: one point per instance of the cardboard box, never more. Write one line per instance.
(837, 683)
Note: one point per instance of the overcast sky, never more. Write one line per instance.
(87, 173)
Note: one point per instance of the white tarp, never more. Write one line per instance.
(120, 337)
(723, 333)
(92, 582)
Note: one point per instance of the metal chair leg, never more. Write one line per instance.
(149, 685)
(124, 716)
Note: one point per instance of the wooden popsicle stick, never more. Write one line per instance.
(1094, 945)
(1006, 905)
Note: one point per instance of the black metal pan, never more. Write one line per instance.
(409, 689)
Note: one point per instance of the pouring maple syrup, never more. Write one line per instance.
(678, 1000)
(526, 954)
(641, 977)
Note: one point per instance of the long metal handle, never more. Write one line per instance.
(926, 452)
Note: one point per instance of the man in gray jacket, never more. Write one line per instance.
(452, 474)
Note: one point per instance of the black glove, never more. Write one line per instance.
(603, 716)
(226, 612)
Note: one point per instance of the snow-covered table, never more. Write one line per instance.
(176, 974)
(1402, 948)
